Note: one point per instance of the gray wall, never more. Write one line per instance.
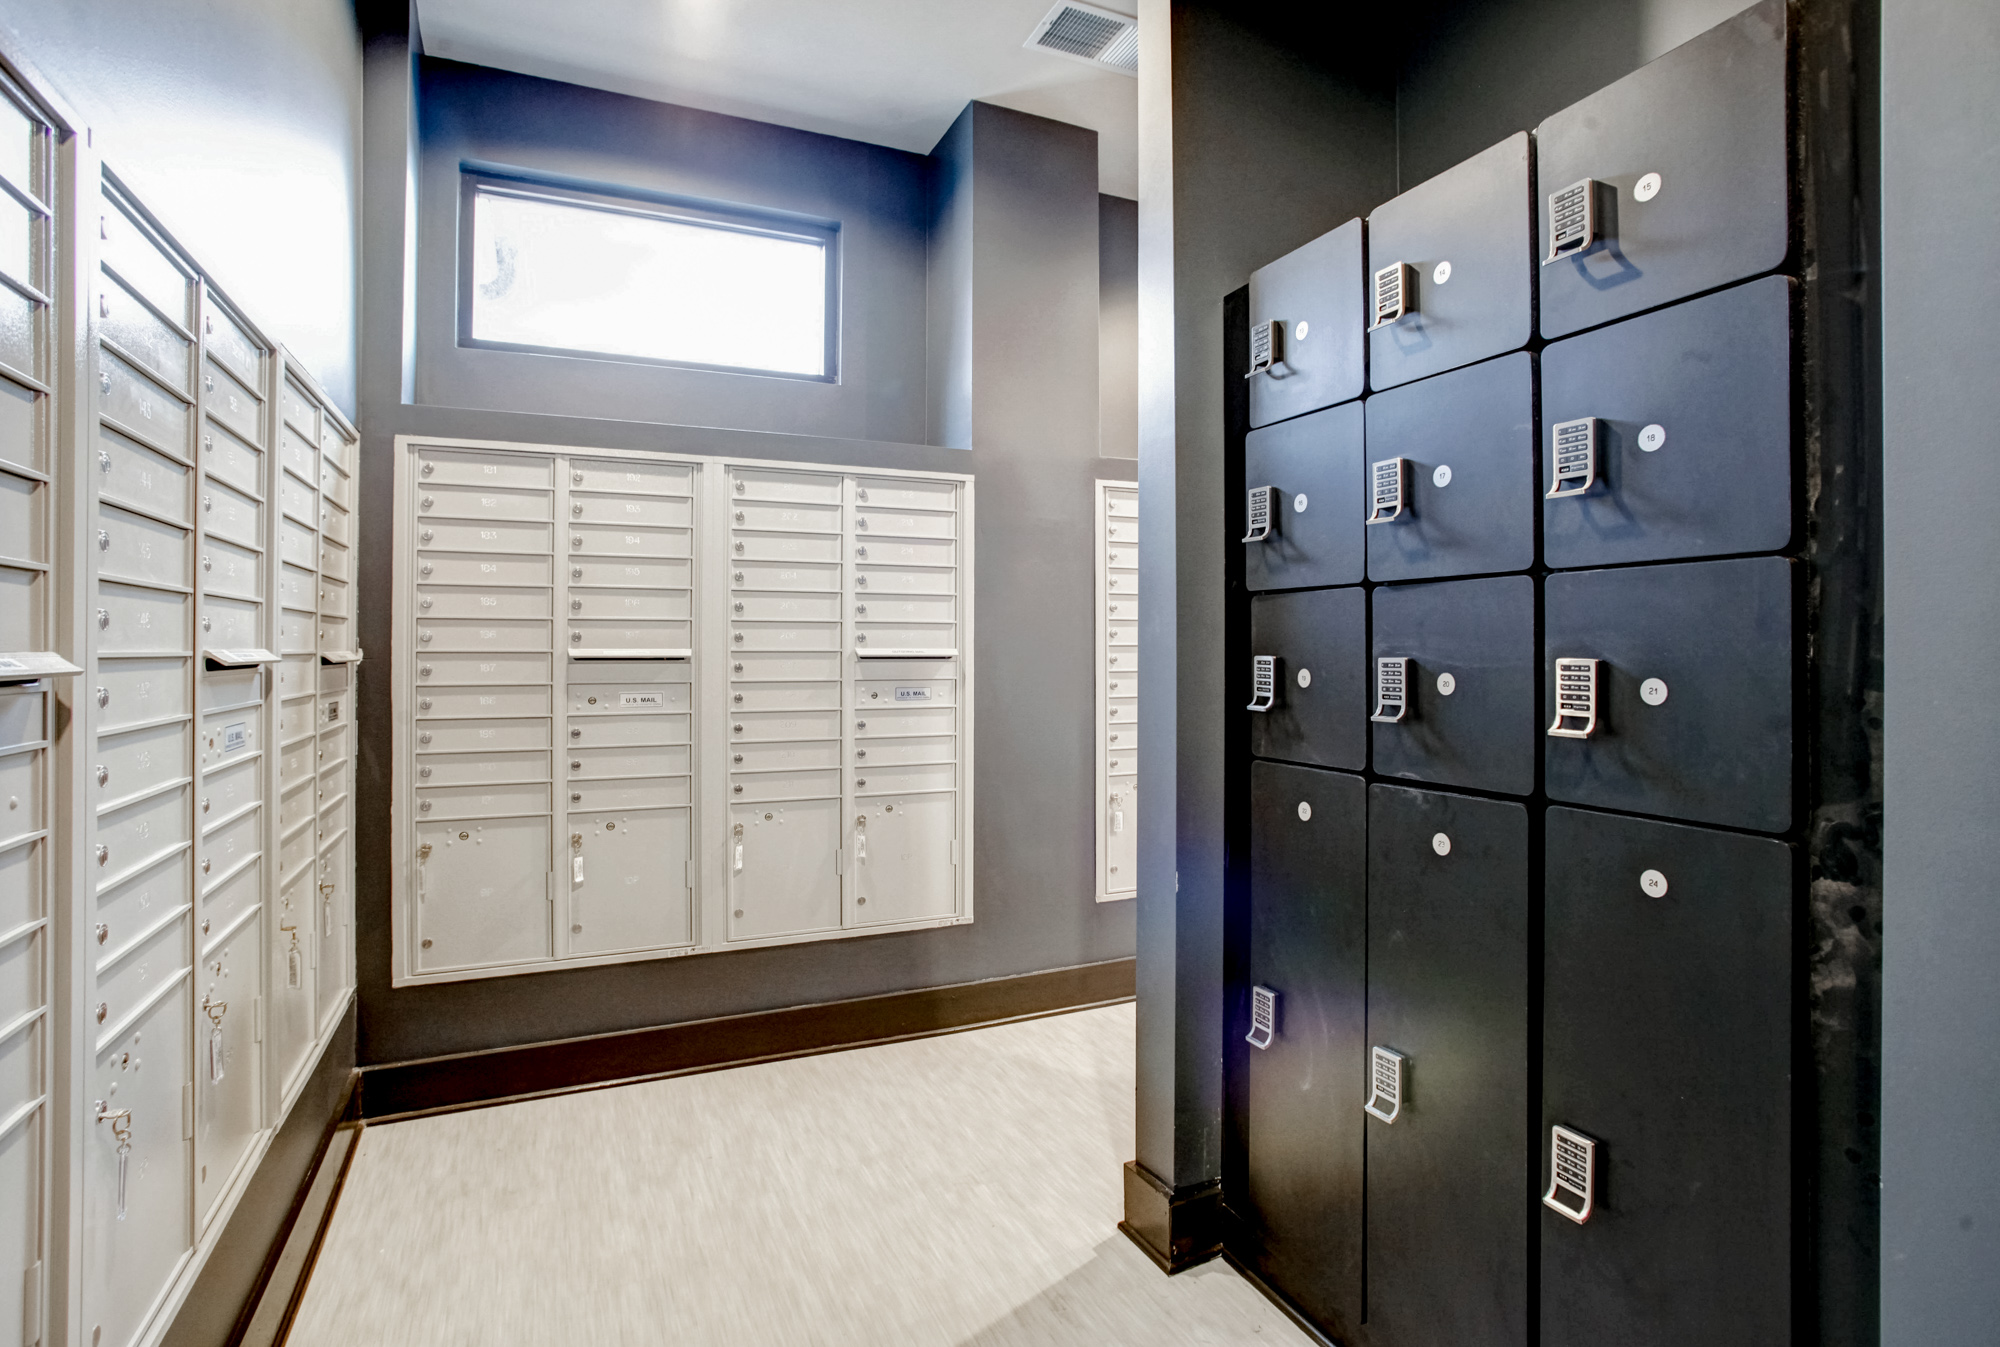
(1117, 327)
(238, 123)
(1941, 1013)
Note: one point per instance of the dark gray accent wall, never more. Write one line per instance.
(1117, 327)
(237, 123)
(1940, 129)
(875, 196)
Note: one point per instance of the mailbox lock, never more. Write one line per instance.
(576, 638)
(426, 503)
(204, 804)
(424, 602)
(103, 698)
(206, 862)
(737, 667)
(103, 540)
(576, 764)
(861, 582)
(576, 605)
(576, 732)
(737, 758)
(208, 624)
(739, 516)
(576, 572)
(204, 925)
(861, 552)
(424, 738)
(861, 610)
(577, 508)
(103, 854)
(429, 468)
(102, 1011)
(576, 542)
(738, 697)
(740, 487)
(738, 638)
(739, 577)
(103, 775)
(860, 752)
(103, 618)
(423, 703)
(739, 548)
(576, 477)
(737, 788)
(862, 725)
(427, 535)
(424, 808)
(423, 636)
(103, 932)
(739, 605)
(737, 728)
(591, 700)
(576, 797)
(424, 772)
(423, 671)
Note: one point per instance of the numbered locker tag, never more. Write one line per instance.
(1385, 1079)
(1572, 220)
(1395, 293)
(1263, 1018)
(1267, 350)
(1263, 514)
(1264, 683)
(1576, 699)
(1573, 1173)
(1574, 451)
(1392, 689)
(1386, 481)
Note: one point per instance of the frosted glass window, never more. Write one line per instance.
(574, 276)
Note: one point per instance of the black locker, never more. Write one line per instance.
(1468, 480)
(1467, 717)
(1692, 709)
(1449, 1179)
(1668, 1010)
(1687, 155)
(1319, 715)
(1689, 417)
(1308, 936)
(1314, 295)
(1315, 536)
(1465, 240)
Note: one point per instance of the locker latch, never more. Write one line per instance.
(1576, 699)
(1395, 293)
(1392, 689)
(1574, 446)
(1263, 514)
(1267, 351)
(1387, 483)
(1263, 1017)
(1572, 219)
(1385, 1078)
(1264, 683)
(1573, 1173)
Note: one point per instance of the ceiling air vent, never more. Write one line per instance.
(1087, 33)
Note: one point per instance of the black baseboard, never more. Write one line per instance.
(478, 1079)
(1177, 1228)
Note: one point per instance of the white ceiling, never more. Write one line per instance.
(891, 72)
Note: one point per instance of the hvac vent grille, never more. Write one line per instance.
(1086, 33)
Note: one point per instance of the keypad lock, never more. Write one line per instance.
(1262, 514)
(1572, 220)
(1385, 1080)
(1572, 1174)
(1263, 1018)
(1392, 689)
(1388, 490)
(1264, 683)
(1267, 351)
(1573, 452)
(1394, 294)
(1576, 699)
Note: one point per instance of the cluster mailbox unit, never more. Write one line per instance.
(1520, 986)
(175, 744)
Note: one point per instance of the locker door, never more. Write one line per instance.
(1314, 295)
(1448, 975)
(482, 892)
(905, 854)
(1468, 712)
(783, 878)
(1693, 696)
(1315, 535)
(629, 881)
(1319, 714)
(1687, 155)
(228, 1075)
(1668, 1016)
(1466, 442)
(1303, 1134)
(291, 1021)
(1687, 434)
(1451, 256)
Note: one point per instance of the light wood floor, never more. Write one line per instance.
(961, 1190)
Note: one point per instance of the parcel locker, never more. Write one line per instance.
(1303, 522)
(228, 1073)
(1669, 1007)
(1315, 708)
(1670, 435)
(1668, 182)
(784, 877)
(1302, 1194)
(1306, 328)
(1446, 1091)
(905, 850)
(1450, 275)
(1451, 474)
(483, 889)
(1453, 696)
(630, 880)
(1669, 690)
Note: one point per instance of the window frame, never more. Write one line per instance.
(477, 178)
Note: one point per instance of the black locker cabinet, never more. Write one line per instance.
(1448, 978)
(1668, 1006)
(1468, 656)
(1313, 356)
(1669, 182)
(1318, 712)
(1450, 268)
(1311, 467)
(1308, 936)
(1466, 477)
(1687, 708)
(1675, 431)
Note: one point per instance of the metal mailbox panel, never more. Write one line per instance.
(478, 769)
(1468, 442)
(130, 472)
(629, 881)
(334, 598)
(231, 345)
(295, 806)
(334, 522)
(1316, 293)
(634, 760)
(753, 665)
(230, 623)
(229, 569)
(631, 604)
(443, 467)
(650, 574)
(599, 540)
(132, 620)
(297, 544)
(138, 332)
(296, 633)
(482, 570)
(785, 696)
(484, 503)
(1316, 462)
(436, 601)
(472, 802)
(1715, 640)
(483, 893)
(1303, 1136)
(225, 792)
(1689, 153)
(298, 410)
(228, 513)
(130, 838)
(467, 736)
(336, 486)
(228, 1072)
(784, 636)
(1322, 633)
(142, 264)
(298, 501)
(589, 731)
(22, 716)
(230, 899)
(664, 511)
(907, 748)
(1694, 423)
(443, 702)
(230, 460)
(1477, 639)
(1669, 1013)
(228, 735)
(503, 670)
(1449, 926)
(447, 535)
(21, 787)
(295, 676)
(904, 523)
(640, 698)
(906, 493)
(133, 547)
(226, 399)
(629, 794)
(297, 761)
(22, 509)
(782, 876)
(229, 845)
(447, 635)
(126, 979)
(22, 441)
(785, 484)
(333, 634)
(1467, 237)
(766, 575)
(782, 547)
(137, 692)
(907, 552)
(939, 581)
(905, 859)
(141, 407)
(786, 607)
(664, 479)
(125, 765)
(127, 911)
(297, 456)
(785, 785)
(768, 757)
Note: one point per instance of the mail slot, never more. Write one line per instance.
(784, 635)
(22, 717)
(228, 343)
(784, 696)
(656, 511)
(483, 570)
(230, 624)
(784, 756)
(627, 794)
(876, 523)
(483, 503)
(137, 692)
(132, 837)
(646, 574)
(226, 400)
(228, 513)
(754, 606)
(886, 694)
(131, 764)
(131, 620)
(588, 731)
(907, 493)
(227, 735)
(585, 763)
(297, 633)
(904, 580)
(125, 985)
(628, 604)
(298, 501)
(298, 545)
(128, 471)
(505, 670)
(226, 792)
(21, 787)
(903, 780)
(141, 408)
(229, 569)
(229, 845)
(910, 552)
(449, 535)
(750, 726)
(473, 769)
(231, 898)
(757, 787)
(435, 601)
(135, 906)
(137, 548)
(231, 688)
(229, 459)
(465, 802)
(755, 484)
(298, 456)
(442, 467)
(754, 666)
(126, 321)
(632, 475)
(783, 547)
(333, 521)
(458, 736)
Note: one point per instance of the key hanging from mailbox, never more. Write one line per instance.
(1573, 1174)
(1392, 689)
(1572, 220)
(736, 866)
(1264, 682)
(1388, 482)
(1395, 294)
(215, 1010)
(861, 839)
(1267, 351)
(1576, 699)
(121, 1131)
(1263, 1018)
(1385, 1081)
(1263, 513)
(1573, 451)
(576, 860)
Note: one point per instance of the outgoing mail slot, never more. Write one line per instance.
(896, 639)
(782, 756)
(459, 736)
(465, 802)
(132, 837)
(298, 501)
(22, 609)
(229, 624)
(749, 727)
(905, 608)
(136, 692)
(142, 264)
(228, 735)
(228, 513)
(299, 410)
(126, 765)
(295, 853)
(229, 569)
(141, 407)
(231, 898)
(295, 806)
(297, 588)
(295, 676)
(877, 721)
(630, 604)
(599, 540)
(124, 985)
(459, 502)
(874, 523)
(645, 574)
(333, 522)
(225, 793)
(905, 493)
(434, 601)
(228, 846)
(784, 636)
(447, 535)
(753, 666)
(656, 511)
(913, 552)
(297, 544)
(21, 787)
(784, 696)
(228, 343)
(130, 472)
(505, 670)
(943, 580)
(486, 570)
(131, 620)
(782, 484)
(786, 518)
(766, 575)
(628, 794)
(135, 906)
(632, 476)
(582, 764)
(906, 750)
(297, 456)
(783, 547)
(589, 731)
(655, 691)
(876, 695)
(229, 459)
(870, 780)
(439, 467)
(481, 702)
(757, 787)
(336, 486)
(136, 330)
(441, 635)
(475, 769)
(227, 401)
(137, 548)
(297, 633)
(297, 717)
